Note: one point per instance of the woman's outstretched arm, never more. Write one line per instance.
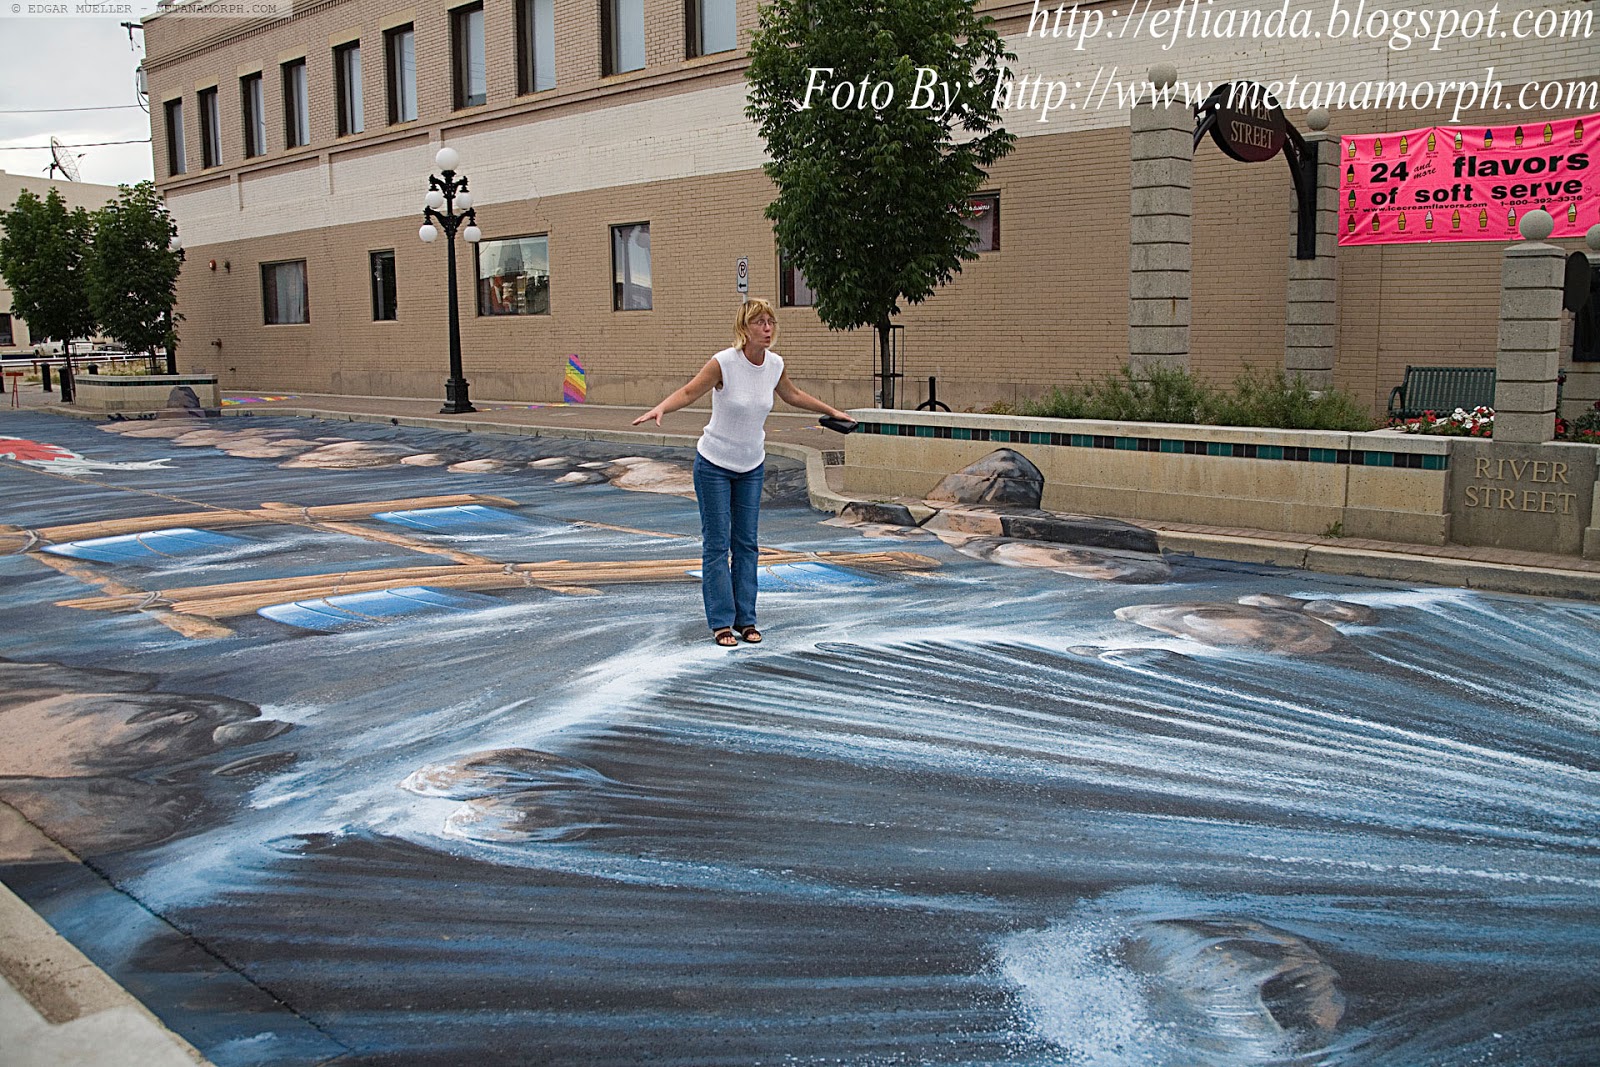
(795, 396)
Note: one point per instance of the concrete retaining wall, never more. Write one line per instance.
(145, 392)
(1385, 486)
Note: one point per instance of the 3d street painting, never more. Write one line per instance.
(381, 745)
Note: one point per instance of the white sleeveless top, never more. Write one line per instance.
(736, 437)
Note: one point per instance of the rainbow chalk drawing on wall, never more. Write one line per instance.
(575, 386)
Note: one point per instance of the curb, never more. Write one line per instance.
(56, 1005)
(1386, 566)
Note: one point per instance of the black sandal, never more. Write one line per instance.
(723, 635)
(750, 634)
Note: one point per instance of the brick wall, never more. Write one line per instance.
(668, 144)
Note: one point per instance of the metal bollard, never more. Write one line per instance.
(44, 375)
(66, 383)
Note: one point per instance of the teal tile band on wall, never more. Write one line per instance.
(1171, 445)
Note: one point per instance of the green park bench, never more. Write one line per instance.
(1441, 390)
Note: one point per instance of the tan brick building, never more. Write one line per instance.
(574, 138)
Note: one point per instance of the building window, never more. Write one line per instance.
(384, 308)
(514, 276)
(255, 115)
(210, 129)
(793, 289)
(400, 48)
(347, 88)
(711, 26)
(622, 29)
(296, 105)
(470, 67)
(283, 293)
(6, 336)
(536, 45)
(630, 267)
(983, 219)
(175, 160)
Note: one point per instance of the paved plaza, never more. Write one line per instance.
(360, 743)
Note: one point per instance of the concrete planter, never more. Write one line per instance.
(1384, 486)
(124, 393)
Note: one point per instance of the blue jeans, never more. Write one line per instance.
(730, 509)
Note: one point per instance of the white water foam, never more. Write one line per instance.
(1078, 996)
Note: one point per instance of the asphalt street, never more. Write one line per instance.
(365, 744)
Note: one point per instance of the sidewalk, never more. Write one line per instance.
(797, 436)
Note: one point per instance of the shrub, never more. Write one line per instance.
(1268, 399)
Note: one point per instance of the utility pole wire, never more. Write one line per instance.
(58, 110)
(86, 144)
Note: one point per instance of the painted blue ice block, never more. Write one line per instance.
(791, 577)
(352, 610)
(148, 548)
(464, 518)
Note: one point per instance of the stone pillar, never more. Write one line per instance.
(1529, 353)
(1311, 337)
(1161, 171)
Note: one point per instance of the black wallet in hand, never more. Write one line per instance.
(837, 425)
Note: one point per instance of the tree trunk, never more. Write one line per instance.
(885, 365)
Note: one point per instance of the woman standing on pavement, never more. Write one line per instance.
(730, 463)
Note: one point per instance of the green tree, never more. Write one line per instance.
(872, 199)
(133, 273)
(44, 250)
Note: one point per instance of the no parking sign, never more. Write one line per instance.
(741, 275)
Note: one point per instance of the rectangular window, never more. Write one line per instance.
(793, 289)
(983, 219)
(711, 26)
(536, 45)
(210, 129)
(175, 159)
(296, 105)
(347, 88)
(383, 290)
(622, 31)
(255, 115)
(283, 293)
(6, 336)
(469, 64)
(400, 49)
(514, 276)
(630, 267)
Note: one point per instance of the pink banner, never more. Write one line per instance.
(1469, 183)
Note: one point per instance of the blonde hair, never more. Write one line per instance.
(753, 308)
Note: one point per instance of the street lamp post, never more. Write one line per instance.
(449, 204)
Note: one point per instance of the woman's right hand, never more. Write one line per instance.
(653, 413)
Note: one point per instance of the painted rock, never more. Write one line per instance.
(1003, 477)
(1238, 626)
(1079, 562)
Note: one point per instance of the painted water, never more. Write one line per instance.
(983, 813)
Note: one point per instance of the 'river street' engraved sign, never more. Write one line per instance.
(1529, 497)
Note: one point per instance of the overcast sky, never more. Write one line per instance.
(72, 62)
